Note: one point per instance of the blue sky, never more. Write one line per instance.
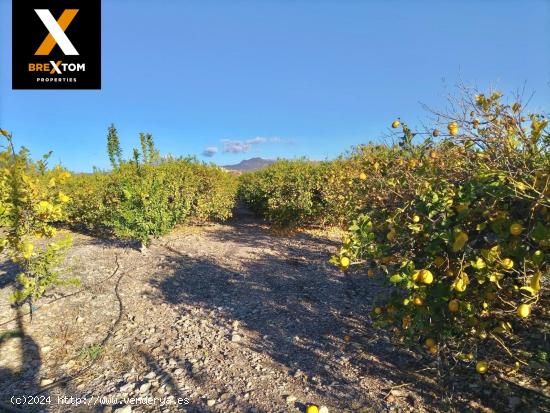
(276, 78)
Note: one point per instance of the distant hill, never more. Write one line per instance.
(248, 165)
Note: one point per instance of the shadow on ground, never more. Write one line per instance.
(301, 309)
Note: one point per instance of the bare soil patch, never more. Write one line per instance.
(233, 318)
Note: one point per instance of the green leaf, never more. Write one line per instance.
(529, 289)
(395, 278)
(540, 232)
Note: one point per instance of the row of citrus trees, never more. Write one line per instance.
(298, 193)
(146, 196)
(140, 198)
(455, 226)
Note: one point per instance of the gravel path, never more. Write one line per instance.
(226, 317)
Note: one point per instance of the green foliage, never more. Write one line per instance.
(459, 231)
(31, 202)
(91, 352)
(146, 197)
(286, 192)
(113, 146)
(304, 193)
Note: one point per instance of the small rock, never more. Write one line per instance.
(127, 387)
(290, 398)
(235, 338)
(45, 382)
(210, 402)
(323, 409)
(235, 324)
(150, 376)
(45, 349)
(397, 393)
(70, 364)
(390, 399)
(79, 319)
(144, 387)
(125, 409)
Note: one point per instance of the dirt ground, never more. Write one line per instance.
(223, 318)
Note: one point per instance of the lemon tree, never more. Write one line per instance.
(31, 202)
(461, 234)
(146, 196)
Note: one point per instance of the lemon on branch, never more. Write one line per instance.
(344, 262)
(461, 282)
(454, 305)
(507, 263)
(430, 342)
(426, 276)
(516, 228)
(481, 367)
(453, 128)
(524, 310)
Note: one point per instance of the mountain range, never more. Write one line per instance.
(248, 165)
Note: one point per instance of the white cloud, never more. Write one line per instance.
(210, 151)
(233, 146)
(256, 140)
(276, 139)
(240, 146)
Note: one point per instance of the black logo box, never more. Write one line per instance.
(28, 33)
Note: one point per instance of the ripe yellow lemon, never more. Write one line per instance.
(312, 409)
(395, 124)
(524, 310)
(344, 262)
(416, 275)
(454, 305)
(430, 342)
(433, 349)
(453, 128)
(418, 301)
(461, 282)
(516, 228)
(481, 367)
(362, 176)
(416, 218)
(426, 276)
(507, 263)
